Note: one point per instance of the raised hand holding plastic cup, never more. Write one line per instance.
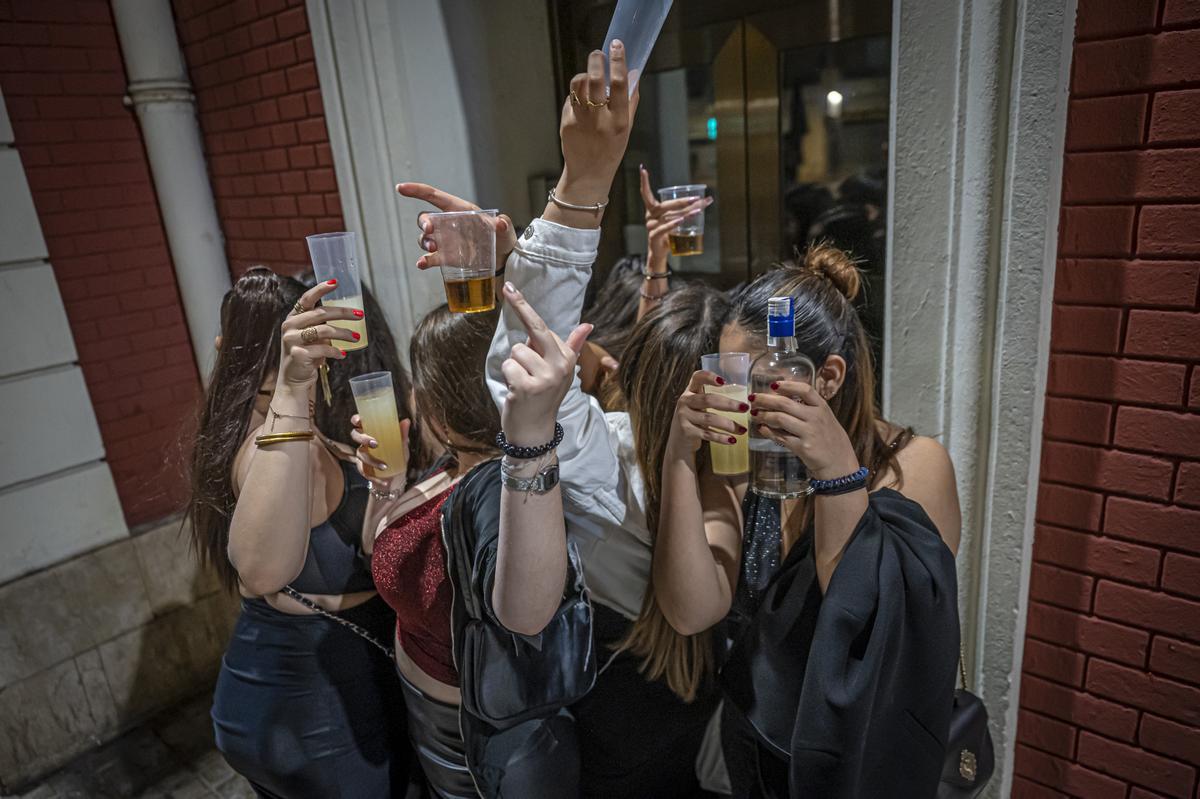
(335, 257)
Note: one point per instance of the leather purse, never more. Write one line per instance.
(507, 678)
(970, 757)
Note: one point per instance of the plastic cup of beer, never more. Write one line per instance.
(466, 250)
(688, 238)
(734, 368)
(376, 403)
(335, 257)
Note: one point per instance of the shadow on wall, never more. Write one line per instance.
(100, 643)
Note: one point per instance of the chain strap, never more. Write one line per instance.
(354, 628)
(962, 666)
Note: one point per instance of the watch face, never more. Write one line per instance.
(549, 477)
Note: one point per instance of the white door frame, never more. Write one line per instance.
(979, 97)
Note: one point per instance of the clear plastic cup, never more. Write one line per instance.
(688, 238)
(335, 257)
(376, 401)
(637, 24)
(466, 248)
(734, 368)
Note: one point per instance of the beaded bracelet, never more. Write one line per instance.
(529, 453)
(839, 485)
(646, 273)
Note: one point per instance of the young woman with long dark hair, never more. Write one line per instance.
(304, 706)
(516, 545)
(841, 705)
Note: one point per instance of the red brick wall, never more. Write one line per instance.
(1110, 692)
(252, 68)
(63, 82)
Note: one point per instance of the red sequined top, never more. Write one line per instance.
(409, 566)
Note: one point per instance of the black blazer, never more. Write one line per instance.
(856, 687)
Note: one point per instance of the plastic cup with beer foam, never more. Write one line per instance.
(466, 250)
(734, 368)
(688, 238)
(376, 402)
(335, 257)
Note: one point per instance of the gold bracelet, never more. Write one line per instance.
(279, 438)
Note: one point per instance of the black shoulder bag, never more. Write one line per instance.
(970, 758)
(508, 678)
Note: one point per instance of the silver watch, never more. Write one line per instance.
(540, 483)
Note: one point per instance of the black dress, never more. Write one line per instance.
(847, 695)
(303, 706)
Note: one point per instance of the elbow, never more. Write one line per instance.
(531, 622)
(686, 623)
(258, 579)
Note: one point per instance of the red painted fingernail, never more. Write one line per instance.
(358, 314)
(332, 282)
(343, 353)
(774, 386)
(732, 440)
(741, 430)
(743, 406)
(356, 335)
(754, 412)
(720, 381)
(751, 397)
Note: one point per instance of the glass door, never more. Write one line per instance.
(781, 107)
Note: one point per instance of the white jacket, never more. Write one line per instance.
(603, 492)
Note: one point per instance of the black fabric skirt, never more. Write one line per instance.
(305, 708)
(636, 737)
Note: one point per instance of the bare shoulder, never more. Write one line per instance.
(927, 478)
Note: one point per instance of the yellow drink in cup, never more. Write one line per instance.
(335, 257)
(734, 369)
(688, 238)
(376, 403)
(359, 326)
(731, 458)
(466, 247)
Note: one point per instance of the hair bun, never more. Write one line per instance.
(836, 265)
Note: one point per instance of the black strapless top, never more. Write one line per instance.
(336, 563)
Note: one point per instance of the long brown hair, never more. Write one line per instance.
(448, 352)
(251, 313)
(662, 352)
(823, 286)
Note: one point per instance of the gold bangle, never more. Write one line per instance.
(279, 438)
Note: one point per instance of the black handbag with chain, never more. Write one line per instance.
(970, 758)
(508, 678)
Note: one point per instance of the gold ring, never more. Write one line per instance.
(309, 335)
(587, 101)
(298, 308)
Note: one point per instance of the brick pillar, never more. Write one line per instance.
(1110, 699)
(60, 66)
(263, 121)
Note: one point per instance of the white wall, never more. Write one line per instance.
(502, 57)
(57, 497)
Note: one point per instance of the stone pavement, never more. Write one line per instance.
(170, 757)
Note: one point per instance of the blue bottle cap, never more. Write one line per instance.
(781, 322)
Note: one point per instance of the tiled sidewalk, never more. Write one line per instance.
(170, 757)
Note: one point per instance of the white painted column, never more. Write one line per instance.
(979, 97)
(162, 96)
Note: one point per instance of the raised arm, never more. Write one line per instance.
(268, 534)
(698, 546)
(661, 219)
(531, 555)
(551, 266)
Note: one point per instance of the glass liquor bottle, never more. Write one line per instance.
(774, 471)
